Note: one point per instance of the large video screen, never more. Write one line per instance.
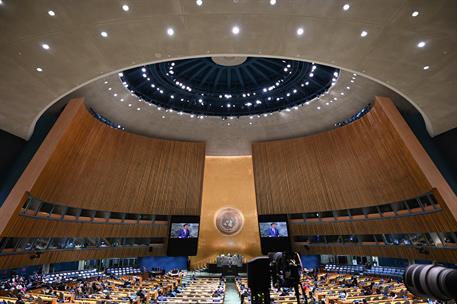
(274, 235)
(184, 230)
(183, 235)
(273, 229)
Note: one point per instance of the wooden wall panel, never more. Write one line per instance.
(401, 252)
(433, 222)
(361, 164)
(425, 163)
(31, 227)
(86, 164)
(20, 260)
(98, 167)
(228, 182)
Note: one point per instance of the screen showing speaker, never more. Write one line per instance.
(184, 230)
(183, 236)
(273, 229)
(274, 233)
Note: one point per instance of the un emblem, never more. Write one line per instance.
(229, 221)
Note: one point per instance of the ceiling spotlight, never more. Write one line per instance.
(120, 74)
(272, 2)
(421, 44)
(318, 108)
(363, 34)
(45, 46)
(104, 34)
(170, 31)
(199, 2)
(346, 7)
(235, 30)
(300, 31)
(426, 67)
(39, 69)
(138, 109)
(130, 104)
(51, 13)
(125, 8)
(415, 14)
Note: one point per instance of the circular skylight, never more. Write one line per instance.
(204, 86)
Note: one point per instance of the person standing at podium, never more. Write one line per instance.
(273, 231)
(184, 232)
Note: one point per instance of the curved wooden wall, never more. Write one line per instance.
(98, 167)
(372, 161)
(84, 163)
(20, 260)
(365, 163)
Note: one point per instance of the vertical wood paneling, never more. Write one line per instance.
(97, 167)
(361, 164)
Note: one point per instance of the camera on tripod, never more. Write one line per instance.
(283, 269)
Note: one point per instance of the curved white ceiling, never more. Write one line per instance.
(78, 53)
(108, 97)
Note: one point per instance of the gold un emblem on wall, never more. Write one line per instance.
(229, 221)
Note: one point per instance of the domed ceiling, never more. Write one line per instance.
(133, 102)
(51, 48)
(227, 87)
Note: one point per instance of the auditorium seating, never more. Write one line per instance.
(359, 269)
(72, 275)
(122, 271)
(342, 289)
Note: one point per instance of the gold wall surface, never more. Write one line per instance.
(228, 182)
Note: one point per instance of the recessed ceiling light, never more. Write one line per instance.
(51, 13)
(272, 2)
(45, 46)
(39, 69)
(363, 34)
(106, 82)
(318, 108)
(163, 116)
(426, 67)
(104, 34)
(130, 104)
(235, 30)
(170, 31)
(421, 44)
(138, 109)
(300, 31)
(125, 8)
(415, 14)
(199, 2)
(346, 7)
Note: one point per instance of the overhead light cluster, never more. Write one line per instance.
(236, 30)
(178, 96)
